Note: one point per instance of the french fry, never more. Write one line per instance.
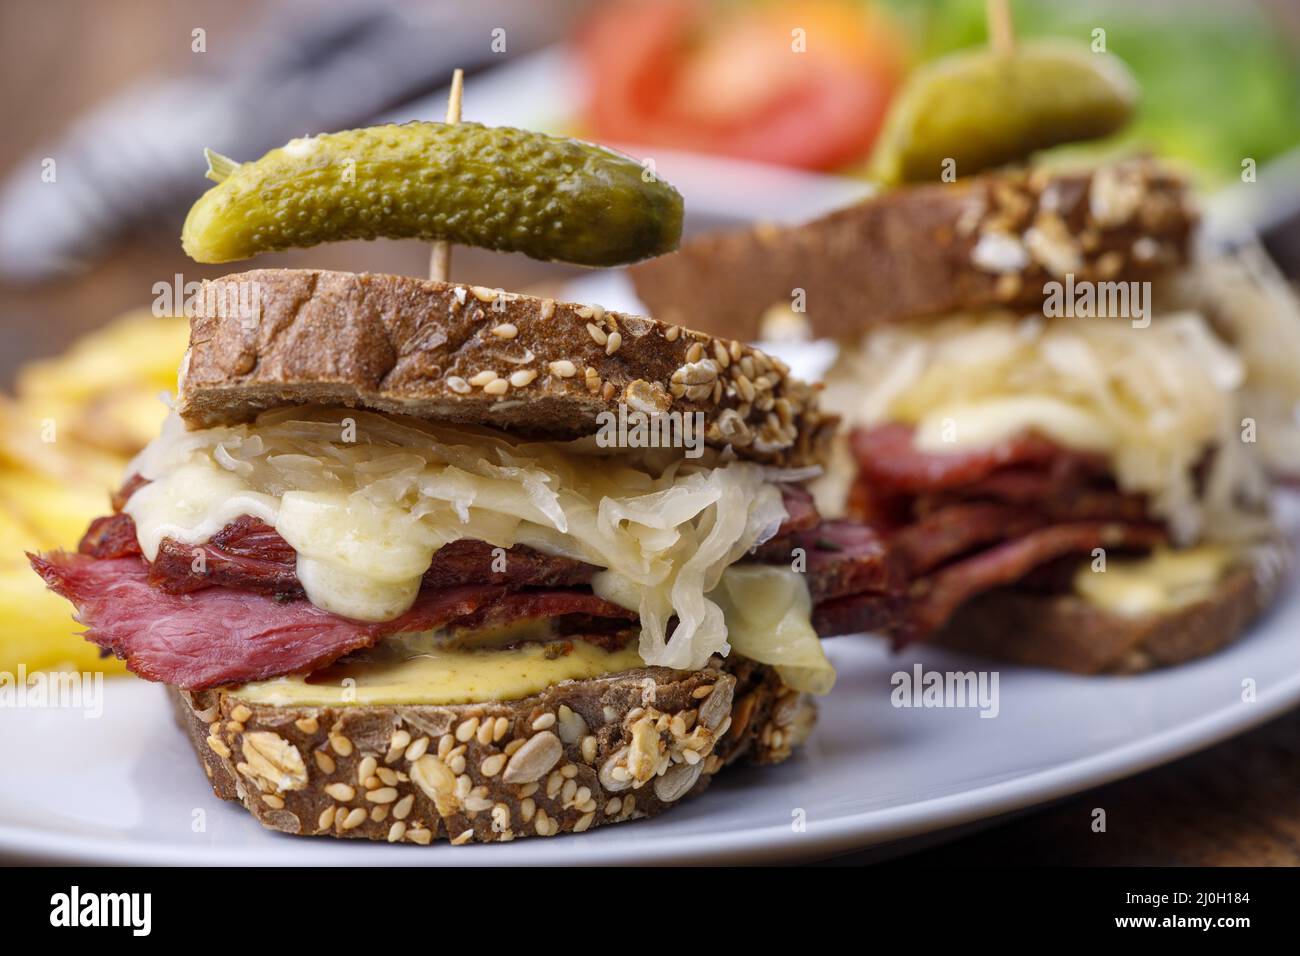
(65, 441)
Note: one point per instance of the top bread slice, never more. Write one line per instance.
(986, 242)
(465, 354)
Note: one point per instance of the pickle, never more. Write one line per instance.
(985, 108)
(505, 189)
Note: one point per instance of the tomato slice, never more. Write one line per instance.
(732, 81)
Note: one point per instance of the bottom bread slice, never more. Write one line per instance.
(580, 754)
(1065, 631)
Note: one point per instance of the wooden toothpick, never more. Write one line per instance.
(1002, 30)
(440, 256)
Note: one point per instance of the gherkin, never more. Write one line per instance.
(982, 108)
(511, 190)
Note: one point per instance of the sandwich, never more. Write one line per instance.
(420, 560)
(1062, 410)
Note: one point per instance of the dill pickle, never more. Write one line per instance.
(985, 108)
(510, 190)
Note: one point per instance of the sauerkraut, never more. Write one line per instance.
(1162, 402)
(366, 499)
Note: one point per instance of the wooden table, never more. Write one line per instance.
(1236, 804)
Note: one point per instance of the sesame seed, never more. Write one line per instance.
(366, 768)
(272, 801)
(607, 391)
(544, 722)
(417, 749)
(492, 765)
(342, 746)
(589, 749)
(402, 808)
(597, 334)
(614, 806)
(382, 795)
(326, 818)
(464, 837)
(695, 352)
(324, 761)
(484, 735)
(379, 814)
(308, 725)
(672, 332)
(458, 384)
(422, 836)
(703, 691)
(563, 369)
(396, 832)
(547, 308)
(484, 294)
(583, 822)
(354, 819)
(483, 378)
(528, 789)
(218, 747)
(445, 743)
(585, 311)
(615, 340)
(500, 727)
(456, 764)
(341, 792)
(388, 776)
(523, 377)
(240, 713)
(498, 386)
(720, 353)
(527, 807)
(506, 330)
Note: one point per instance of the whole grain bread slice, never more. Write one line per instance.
(990, 241)
(455, 353)
(1066, 632)
(579, 755)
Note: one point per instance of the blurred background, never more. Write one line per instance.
(108, 107)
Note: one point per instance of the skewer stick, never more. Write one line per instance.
(1002, 30)
(440, 256)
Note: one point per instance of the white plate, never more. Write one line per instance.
(126, 788)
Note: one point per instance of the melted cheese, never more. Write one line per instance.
(768, 620)
(981, 424)
(1163, 581)
(442, 675)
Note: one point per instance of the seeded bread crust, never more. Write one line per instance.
(1068, 633)
(467, 354)
(579, 755)
(924, 251)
